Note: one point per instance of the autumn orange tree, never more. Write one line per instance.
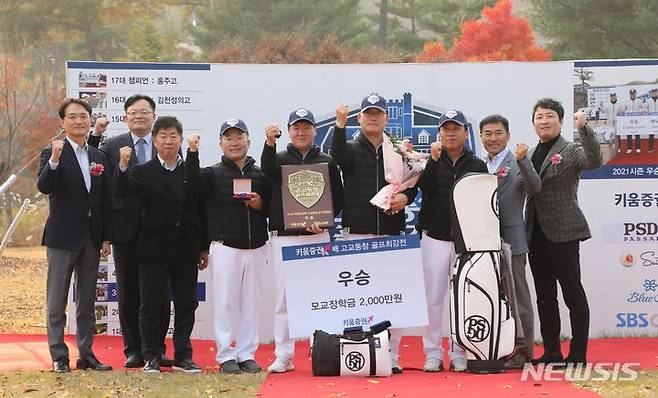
(497, 36)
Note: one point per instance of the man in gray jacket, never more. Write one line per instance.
(555, 226)
(516, 180)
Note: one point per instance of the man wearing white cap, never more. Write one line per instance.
(301, 150)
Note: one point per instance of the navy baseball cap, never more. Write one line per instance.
(452, 115)
(233, 123)
(301, 114)
(374, 101)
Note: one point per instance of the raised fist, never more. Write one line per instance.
(435, 150)
(272, 132)
(193, 142)
(580, 118)
(101, 125)
(124, 156)
(57, 147)
(521, 151)
(342, 111)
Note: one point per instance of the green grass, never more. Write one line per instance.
(645, 386)
(128, 384)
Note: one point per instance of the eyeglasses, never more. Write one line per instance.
(140, 113)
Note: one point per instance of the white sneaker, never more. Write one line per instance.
(638, 150)
(629, 151)
(281, 365)
(433, 365)
(458, 365)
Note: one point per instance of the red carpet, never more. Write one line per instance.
(643, 158)
(30, 352)
(415, 383)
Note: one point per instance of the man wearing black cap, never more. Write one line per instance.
(301, 150)
(362, 164)
(450, 160)
(237, 195)
(611, 109)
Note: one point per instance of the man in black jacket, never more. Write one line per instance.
(126, 219)
(301, 150)
(75, 178)
(449, 161)
(237, 194)
(362, 164)
(172, 239)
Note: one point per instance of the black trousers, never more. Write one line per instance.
(127, 275)
(551, 263)
(154, 282)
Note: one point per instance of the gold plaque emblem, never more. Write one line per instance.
(306, 187)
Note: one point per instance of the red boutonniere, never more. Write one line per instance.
(556, 159)
(96, 169)
(503, 171)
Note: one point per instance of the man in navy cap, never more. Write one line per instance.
(301, 150)
(450, 160)
(362, 163)
(237, 194)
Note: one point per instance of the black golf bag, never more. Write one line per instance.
(481, 320)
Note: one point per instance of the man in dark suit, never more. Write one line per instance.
(171, 239)
(75, 178)
(126, 215)
(556, 225)
(516, 180)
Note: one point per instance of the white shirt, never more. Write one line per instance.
(494, 164)
(148, 149)
(178, 161)
(652, 106)
(83, 161)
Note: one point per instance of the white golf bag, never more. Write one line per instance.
(481, 320)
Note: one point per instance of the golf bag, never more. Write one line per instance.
(354, 353)
(481, 321)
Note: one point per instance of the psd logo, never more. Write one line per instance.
(630, 232)
(477, 328)
(354, 361)
(641, 232)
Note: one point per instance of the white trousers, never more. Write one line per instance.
(237, 277)
(396, 334)
(438, 258)
(284, 345)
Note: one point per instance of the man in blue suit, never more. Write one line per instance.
(75, 178)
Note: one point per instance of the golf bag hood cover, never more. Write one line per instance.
(475, 221)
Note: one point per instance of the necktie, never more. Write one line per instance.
(141, 151)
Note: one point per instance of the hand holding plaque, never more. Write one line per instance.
(306, 196)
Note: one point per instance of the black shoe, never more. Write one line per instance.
(396, 370)
(230, 366)
(548, 358)
(61, 366)
(134, 361)
(152, 366)
(166, 362)
(517, 361)
(187, 366)
(250, 366)
(91, 362)
(571, 361)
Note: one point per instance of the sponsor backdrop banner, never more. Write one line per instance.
(204, 95)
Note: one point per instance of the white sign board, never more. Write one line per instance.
(334, 285)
